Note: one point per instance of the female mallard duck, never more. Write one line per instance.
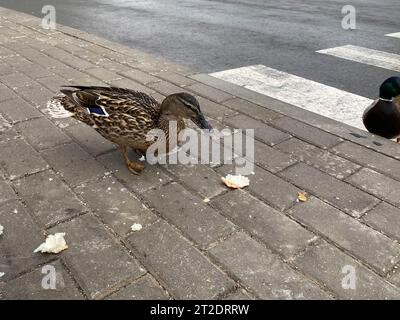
(125, 116)
(383, 116)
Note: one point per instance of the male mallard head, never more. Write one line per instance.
(390, 88)
(184, 105)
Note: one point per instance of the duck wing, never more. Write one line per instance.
(113, 101)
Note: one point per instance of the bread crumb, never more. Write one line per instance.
(302, 196)
(136, 227)
(54, 243)
(236, 182)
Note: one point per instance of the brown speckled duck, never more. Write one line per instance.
(125, 116)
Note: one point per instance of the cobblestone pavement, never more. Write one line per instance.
(257, 243)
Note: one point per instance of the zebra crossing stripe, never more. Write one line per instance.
(371, 57)
(394, 35)
(331, 102)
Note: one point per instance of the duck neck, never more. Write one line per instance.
(168, 123)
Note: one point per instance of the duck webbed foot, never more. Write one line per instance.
(134, 167)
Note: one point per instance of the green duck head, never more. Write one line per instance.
(390, 88)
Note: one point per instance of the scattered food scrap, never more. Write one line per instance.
(54, 243)
(302, 196)
(2, 274)
(206, 200)
(136, 227)
(236, 182)
(1, 229)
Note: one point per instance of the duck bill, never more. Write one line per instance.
(201, 122)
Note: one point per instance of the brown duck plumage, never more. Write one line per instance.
(125, 116)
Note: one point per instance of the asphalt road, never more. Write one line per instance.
(215, 35)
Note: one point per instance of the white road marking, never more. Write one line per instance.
(394, 35)
(372, 57)
(310, 95)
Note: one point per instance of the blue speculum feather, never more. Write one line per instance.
(97, 111)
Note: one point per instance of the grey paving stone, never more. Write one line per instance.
(130, 84)
(5, 52)
(20, 237)
(103, 74)
(304, 131)
(200, 178)
(361, 241)
(139, 76)
(33, 70)
(369, 158)
(145, 288)
(18, 110)
(110, 65)
(209, 92)
(166, 88)
(73, 163)
(395, 278)
(53, 83)
(151, 176)
(35, 94)
(6, 192)
(82, 79)
(262, 271)
(18, 158)
(116, 206)
(239, 294)
(5, 69)
(330, 266)
(321, 159)
(386, 218)
(214, 110)
(377, 184)
(101, 264)
(270, 226)
(48, 198)
(46, 61)
(272, 189)
(198, 221)
(16, 80)
(192, 276)
(175, 78)
(90, 139)
(263, 132)
(337, 193)
(42, 133)
(29, 286)
(6, 93)
(7, 133)
(68, 58)
(271, 159)
(252, 110)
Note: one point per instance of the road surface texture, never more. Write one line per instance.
(209, 36)
(258, 243)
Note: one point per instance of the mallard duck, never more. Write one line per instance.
(125, 116)
(383, 116)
